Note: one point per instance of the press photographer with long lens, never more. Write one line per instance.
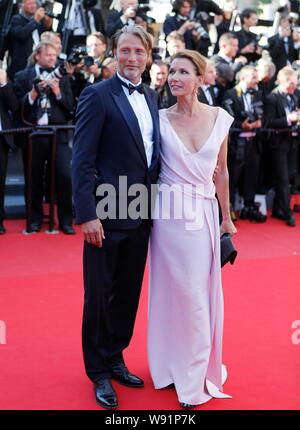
(245, 103)
(25, 30)
(46, 96)
(195, 35)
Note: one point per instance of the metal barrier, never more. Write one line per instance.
(51, 132)
(40, 131)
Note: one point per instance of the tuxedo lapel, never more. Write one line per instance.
(128, 114)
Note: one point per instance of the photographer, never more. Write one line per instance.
(47, 100)
(282, 111)
(245, 103)
(195, 35)
(8, 103)
(96, 47)
(127, 16)
(283, 48)
(25, 31)
(248, 41)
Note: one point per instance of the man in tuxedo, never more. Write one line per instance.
(281, 112)
(248, 41)
(48, 101)
(127, 16)
(227, 64)
(206, 92)
(25, 30)
(8, 102)
(245, 104)
(116, 135)
(159, 82)
(282, 47)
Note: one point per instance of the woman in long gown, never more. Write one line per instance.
(186, 301)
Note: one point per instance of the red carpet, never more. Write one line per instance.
(41, 302)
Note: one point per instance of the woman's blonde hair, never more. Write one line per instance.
(198, 61)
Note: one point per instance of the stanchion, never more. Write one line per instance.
(52, 182)
(29, 186)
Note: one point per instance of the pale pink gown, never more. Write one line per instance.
(186, 300)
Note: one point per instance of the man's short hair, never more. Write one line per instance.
(98, 36)
(285, 72)
(246, 13)
(135, 30)
(227, 38)
(39, 48)
(174, 35)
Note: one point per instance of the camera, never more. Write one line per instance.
(198, 20)
(255, 114)
(57, 73)
(79, 53)
(48, 6)
(52, 15)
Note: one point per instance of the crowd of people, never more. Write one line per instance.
(43, 73)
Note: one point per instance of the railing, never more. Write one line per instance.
(51, 132)
(40, 131)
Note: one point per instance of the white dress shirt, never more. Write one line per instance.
(205, 89)
(142, 112)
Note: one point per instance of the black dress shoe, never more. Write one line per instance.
(253, 214)
(291, 221)
(2, 228)
(67, 229)
(120, 373)
(279, 215)
(187, 406)
(105, 394)
(35, 227)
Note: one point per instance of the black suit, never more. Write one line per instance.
(21, 42)
(245, 38)
(227, 72)
(8, 102)
(204, 99)
(108, 144)
(283, 149)
(278, 52)
(59, 114)
(243, 152)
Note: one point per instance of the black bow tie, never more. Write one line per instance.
(44, 69)
(132, 88)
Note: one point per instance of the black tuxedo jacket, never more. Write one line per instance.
(278, 52)
(107, 144)
(61, 110)
(275, 109)
(234, 104)
(276, 115)
(202, 96)
(8, 102)
(21, 42)
(114, 22)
